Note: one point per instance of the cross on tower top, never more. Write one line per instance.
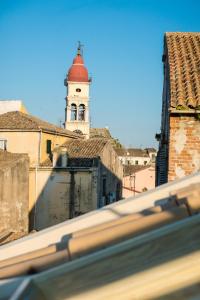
(80, 48)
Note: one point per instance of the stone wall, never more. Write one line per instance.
(14, 192)
(184, 146)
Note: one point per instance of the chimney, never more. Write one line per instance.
(60, 157)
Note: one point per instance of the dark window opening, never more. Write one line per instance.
(73, 112)
(118, 191)
(3, 144)
(78, 90)
(104, 187)
(81, 112)
(49, 146)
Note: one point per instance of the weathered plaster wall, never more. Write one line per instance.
(110, 169)
(51, 197)
(14, 181)
(184, 146)
(23, 142)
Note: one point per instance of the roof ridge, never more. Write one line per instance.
(11, 120)
(29, 117)
(182, 32)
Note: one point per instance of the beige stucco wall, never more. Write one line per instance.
(49, 190)
(111, 170)
(111, 160)
(29, 142)
(23, 142)
(56, 140)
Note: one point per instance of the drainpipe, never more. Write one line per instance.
(39, 147)
(72, 195)
(36, 178)
(35, 206)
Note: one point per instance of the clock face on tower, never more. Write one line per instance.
(78, 90)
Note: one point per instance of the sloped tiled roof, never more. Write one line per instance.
(18, 120)
(150, 149)
(136, 152)
(121, 151)
(183, 51)
(100, 132)
(90, 148)
(130, 169)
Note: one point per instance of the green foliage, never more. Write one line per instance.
(117, 144)
(197, 116)
(180, 107)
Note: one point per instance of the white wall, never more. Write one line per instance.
(11, 105)
(132, 160)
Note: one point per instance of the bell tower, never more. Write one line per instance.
(77, 99)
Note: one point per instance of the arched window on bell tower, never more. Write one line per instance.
(73, 112)
(81, 112)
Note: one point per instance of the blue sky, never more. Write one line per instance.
(123, 42)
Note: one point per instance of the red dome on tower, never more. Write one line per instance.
(78, 72)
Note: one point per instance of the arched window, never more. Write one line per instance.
(73, 112)
(81, 112)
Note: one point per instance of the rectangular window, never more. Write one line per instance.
(136, 162)
(49, 146)
(3, 144)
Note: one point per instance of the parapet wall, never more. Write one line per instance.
(14, 192)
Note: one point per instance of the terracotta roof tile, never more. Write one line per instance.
(136, 152)
(18, 120)
(183, 50)
(130, 169)
(90, 148)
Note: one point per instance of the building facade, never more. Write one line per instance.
(136, 156)
(23, 133)
(138, 179)
(85, 175)
(77, 117)
(179, 139)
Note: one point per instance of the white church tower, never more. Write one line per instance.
(77, 100)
